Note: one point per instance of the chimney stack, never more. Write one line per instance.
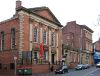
(18, 4)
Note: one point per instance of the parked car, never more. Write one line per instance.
(80, 67)
(87, 66)
(98, 65)
(61, 70)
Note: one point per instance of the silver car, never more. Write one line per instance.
(79, 67)
(98, 65)
(61, 69)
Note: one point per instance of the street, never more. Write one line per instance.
(93, 71)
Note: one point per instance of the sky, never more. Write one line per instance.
(82, 11)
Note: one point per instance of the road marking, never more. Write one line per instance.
(90, 73)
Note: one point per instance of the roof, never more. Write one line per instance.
(14, 17)
(81, 26)
(34, 11)
(84, 26)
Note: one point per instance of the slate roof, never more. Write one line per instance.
(84, 26)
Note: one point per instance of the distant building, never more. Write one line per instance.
(33, 35)
(96, 49)
(79, 38)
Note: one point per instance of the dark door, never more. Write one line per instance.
(52, 58)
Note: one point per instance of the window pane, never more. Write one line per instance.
(27, 57)
(0, 66)
(12, 66)
(35, 35)
(44, 55)
(13, 37)
(44, 37)
(52, 39)
(35, 55)
(2, 40)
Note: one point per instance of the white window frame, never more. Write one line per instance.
(11, 38)
(53, 39)
(46, 37)
(37, 36)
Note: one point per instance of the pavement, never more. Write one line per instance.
(40, 74)
(45, 74)
(51, 73)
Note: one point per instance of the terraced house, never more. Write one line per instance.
(33, 35)
(96, 48)
(78, 40)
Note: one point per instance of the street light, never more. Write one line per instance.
(15, 58)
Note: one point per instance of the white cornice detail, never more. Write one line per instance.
(43, 21)
(22, 12)
(38, 19)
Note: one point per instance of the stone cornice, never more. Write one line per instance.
(39, 19)
(23, 12)
(30, 12)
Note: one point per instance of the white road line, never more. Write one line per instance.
(91, 72)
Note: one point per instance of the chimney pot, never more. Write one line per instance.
(18, 4)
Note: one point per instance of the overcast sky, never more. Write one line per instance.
(83, 11)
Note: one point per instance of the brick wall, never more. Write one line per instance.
(6, 27)
(97, 45)
(7, 55)
(73, 31)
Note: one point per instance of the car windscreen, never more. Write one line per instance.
(59, 68)
(79, 65)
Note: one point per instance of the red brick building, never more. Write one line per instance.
(97, 45)
(78, 37)
(96, 49)
(30, 29)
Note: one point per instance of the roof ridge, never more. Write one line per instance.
(42, 7)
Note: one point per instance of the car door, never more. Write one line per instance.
(65, 68)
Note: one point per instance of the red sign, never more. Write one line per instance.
(41, 50)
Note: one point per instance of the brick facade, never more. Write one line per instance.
(96, 50)
(76, 37)
(97, 45)
(24, 23)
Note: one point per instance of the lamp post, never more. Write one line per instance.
(15, 58)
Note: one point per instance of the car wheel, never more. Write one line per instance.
(63, 72)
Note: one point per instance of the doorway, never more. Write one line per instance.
(52, 57)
